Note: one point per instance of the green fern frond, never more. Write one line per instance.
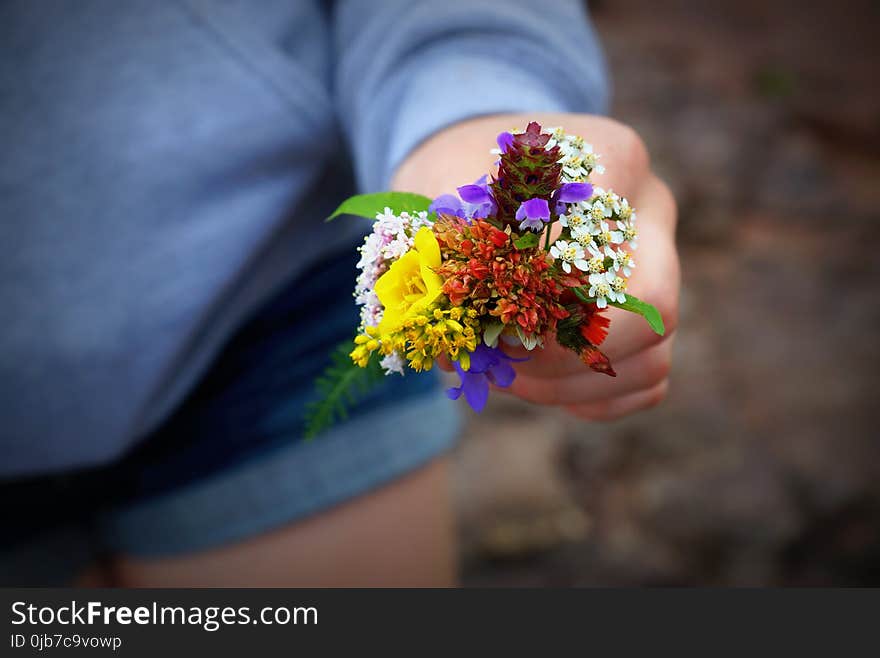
(339, 387)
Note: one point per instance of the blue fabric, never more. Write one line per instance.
(407, 68)
(231, 462)
(166, 167)
(253, 397)
(275, 488)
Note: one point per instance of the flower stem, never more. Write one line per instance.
(547, 238)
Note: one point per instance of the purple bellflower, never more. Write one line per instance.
(479, 198)
(532, 214)
(570, 193)
(505, 141)
(448, 204)
(489, 365)
(476, 202)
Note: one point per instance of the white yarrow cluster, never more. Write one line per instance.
(570, 253)
(576, 156)
(600, 227)
(392, 237)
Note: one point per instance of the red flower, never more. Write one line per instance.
(483, 269)
(477, 269)
(597, 361)
(498, 238)
(594, 326)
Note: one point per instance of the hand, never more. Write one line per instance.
(555, 375)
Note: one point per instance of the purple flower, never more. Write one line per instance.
(505, 141)
(574, 192)
(532, 214)
(489, 365)
(448, 204)
(479, 198)
(476, 201)
(476, 194)
(570, 193)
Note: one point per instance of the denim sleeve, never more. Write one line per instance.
(408, 68)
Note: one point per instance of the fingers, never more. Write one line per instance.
(656, 278)
(551, 361)
(640, 371)
(624, 405)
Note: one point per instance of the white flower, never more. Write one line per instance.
(577, 142)
(596, 265)
(397, 247)
(624, 262)
(603, 235)
(393, 363)
(576, 156)
(611, 201)
(629, 233)
(573, 220)
(571, 253)
(573, 169)
(557, 137)
(626, 212)
(386, 216)
(599, 256)
(600, 288)
(582, 235)
(419, 221)
(618, 285)
(596, 252)
(600, 205)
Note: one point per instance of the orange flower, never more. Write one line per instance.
(597, 361)
(594, 326)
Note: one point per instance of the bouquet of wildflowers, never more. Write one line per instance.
(449, 277)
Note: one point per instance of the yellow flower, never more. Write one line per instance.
(411, 284)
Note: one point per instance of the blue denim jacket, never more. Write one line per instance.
(166, 167)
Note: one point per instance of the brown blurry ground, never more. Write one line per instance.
(763, 466)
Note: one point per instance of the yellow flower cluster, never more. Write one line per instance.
(423, 338)
(413, 322)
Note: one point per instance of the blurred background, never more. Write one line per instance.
(763, 466)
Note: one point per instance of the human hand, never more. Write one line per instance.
(554, 375)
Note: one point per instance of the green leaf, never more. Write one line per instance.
(582, 295)
(370, 205)
(526, 241)
(491, 332)
(648, 311)
(634, 305)
(340, 386)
